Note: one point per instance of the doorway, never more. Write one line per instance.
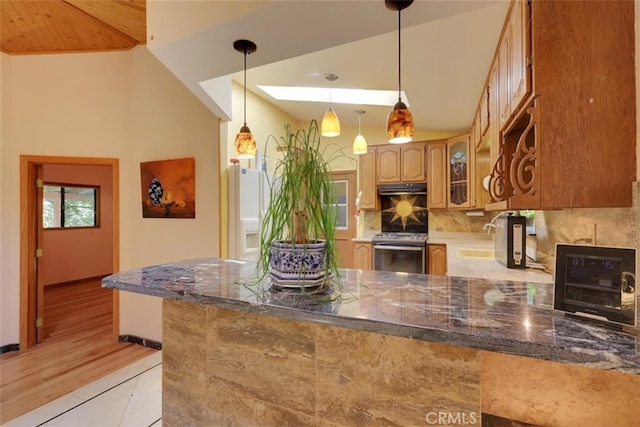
(345, 185)
(33, 259)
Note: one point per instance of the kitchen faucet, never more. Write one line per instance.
(488, 226)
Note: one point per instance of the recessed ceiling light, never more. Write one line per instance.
(338, 96)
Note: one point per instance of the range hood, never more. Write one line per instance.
(402, 188)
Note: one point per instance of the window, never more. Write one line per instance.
(65, 206)
(531, 220)
(341, 187)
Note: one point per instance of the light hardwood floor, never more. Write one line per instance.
(78, 349)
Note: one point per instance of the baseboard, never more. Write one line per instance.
(9, 347)
(157, 345)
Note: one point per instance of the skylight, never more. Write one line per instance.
(338, 95)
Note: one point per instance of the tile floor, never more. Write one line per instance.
(131, 397)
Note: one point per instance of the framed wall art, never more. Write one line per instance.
(168, 188)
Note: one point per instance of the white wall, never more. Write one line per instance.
(124, 105)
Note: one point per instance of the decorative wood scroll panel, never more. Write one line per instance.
(516, 174)
(497, 183)
(525, 170)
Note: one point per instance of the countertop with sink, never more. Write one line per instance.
(472, 255)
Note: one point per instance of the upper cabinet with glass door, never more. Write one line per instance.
(459, 172)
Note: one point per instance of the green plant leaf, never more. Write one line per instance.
(302, 198)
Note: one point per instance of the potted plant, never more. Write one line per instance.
(297, 247)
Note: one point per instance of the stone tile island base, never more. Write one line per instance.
(225, 367)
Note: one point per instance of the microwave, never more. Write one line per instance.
(596, 282)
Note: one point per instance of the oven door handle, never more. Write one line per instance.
(399, 248)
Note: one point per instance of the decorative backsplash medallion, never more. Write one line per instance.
(405, 213)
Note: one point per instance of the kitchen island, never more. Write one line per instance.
(392, 349)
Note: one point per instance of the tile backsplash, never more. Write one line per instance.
(600, 226)
(456, 221)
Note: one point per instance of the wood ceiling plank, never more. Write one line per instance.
(16, 26)
(126, 16)
(30, 27)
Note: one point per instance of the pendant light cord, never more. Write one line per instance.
(245, 87)
(399, 56)
(331, 78)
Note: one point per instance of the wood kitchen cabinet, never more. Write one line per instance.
(482, 169)
(483, 115)
(413, 163)
(514, 52)
(455, 174)
(572, 142)
(437, 263)
(367, 180)
(493, 133)
(519, 54)
(388, 163)
(481, 135)
(362, 256)
(437, 174)
(401, 163)
(502, 61)
(474, 132)
(480, 124)
(460, 172)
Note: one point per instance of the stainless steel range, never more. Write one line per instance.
(402, 244)
(400, 252)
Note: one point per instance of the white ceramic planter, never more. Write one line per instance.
(297, 265)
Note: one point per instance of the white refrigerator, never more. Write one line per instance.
(248, 199)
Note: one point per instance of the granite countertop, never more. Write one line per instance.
(495, 315)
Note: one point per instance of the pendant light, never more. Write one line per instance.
(360, 144)
(330, 123)
(245, 143)
(399, 121)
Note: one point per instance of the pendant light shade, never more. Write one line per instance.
(399, 122)
(359, 144)
(330, 123)
(245, 142)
